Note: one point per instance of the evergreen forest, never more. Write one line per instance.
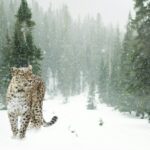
(78, 55)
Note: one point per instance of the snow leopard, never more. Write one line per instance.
(24, 99)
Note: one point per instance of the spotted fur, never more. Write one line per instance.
(25, 99)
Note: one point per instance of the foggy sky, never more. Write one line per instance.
(112, 11)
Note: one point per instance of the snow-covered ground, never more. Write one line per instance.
(78, 129)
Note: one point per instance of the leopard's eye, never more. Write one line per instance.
(25, 84)
(30, 81)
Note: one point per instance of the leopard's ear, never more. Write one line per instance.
(30, 67)
(13, 71)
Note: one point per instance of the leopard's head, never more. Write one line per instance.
(22, 71)
(20, 77)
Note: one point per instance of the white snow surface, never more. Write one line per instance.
(78, 129)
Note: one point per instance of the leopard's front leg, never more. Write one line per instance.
(13, 122)
(25, 119)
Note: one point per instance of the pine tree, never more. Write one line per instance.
(140, 83)
(127, 102)
(141, 57)
(65, 66)
(24, 51)
(3, 44)
(91, 96)
(3, 27)
(127, 53)
(5, 67)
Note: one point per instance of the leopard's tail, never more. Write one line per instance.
(51, 122)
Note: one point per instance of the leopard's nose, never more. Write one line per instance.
(21, 90)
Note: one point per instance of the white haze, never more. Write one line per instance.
(112, 11)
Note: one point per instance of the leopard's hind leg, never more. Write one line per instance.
(37, 117)
(32, 120)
